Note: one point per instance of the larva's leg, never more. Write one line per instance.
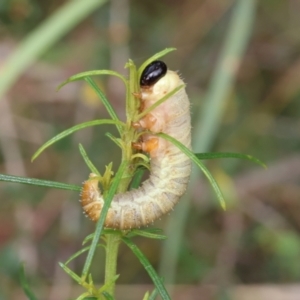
(137, 145)
(149, 145)
(136, 125)
(148, 122)
(137, 95)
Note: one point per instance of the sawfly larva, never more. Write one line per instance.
(169, 168)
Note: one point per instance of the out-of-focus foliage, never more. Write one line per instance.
(255, 241)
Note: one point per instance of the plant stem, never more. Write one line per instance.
(127, 136)
(113, 240)
(112, 246)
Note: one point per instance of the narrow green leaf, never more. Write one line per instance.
(75, 255)
(100, 223)
(71, 273)
(149, 269)
(88, 238)
(159, 102)
(72, 130)
(24, 283)
(105, 101)
(88, 162)
(40, 182)
(117, 141)
(213, 155)
(153, 58)
(194, 158)
(84, 75)
(147, 234)
(108, 296)
(153, 230)
(137, 178)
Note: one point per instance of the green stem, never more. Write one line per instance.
(112, 247)
(113, 240)
(128, 135)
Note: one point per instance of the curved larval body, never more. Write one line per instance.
(169, 168)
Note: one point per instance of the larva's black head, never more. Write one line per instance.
(153, 72)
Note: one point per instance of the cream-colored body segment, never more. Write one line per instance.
(169, 168)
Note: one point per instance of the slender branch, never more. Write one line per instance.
(112, 247)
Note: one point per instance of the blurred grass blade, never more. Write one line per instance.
(147, 266)
(214, 155)
(100, 223)
(105, 101)
(42, 38)
(153, 58)
(88, 162)
(146, 296)
(203, 168)
(24, 283)
(208, 121)
(40, 182)
(70, 131)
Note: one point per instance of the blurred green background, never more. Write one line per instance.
(241, 62)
